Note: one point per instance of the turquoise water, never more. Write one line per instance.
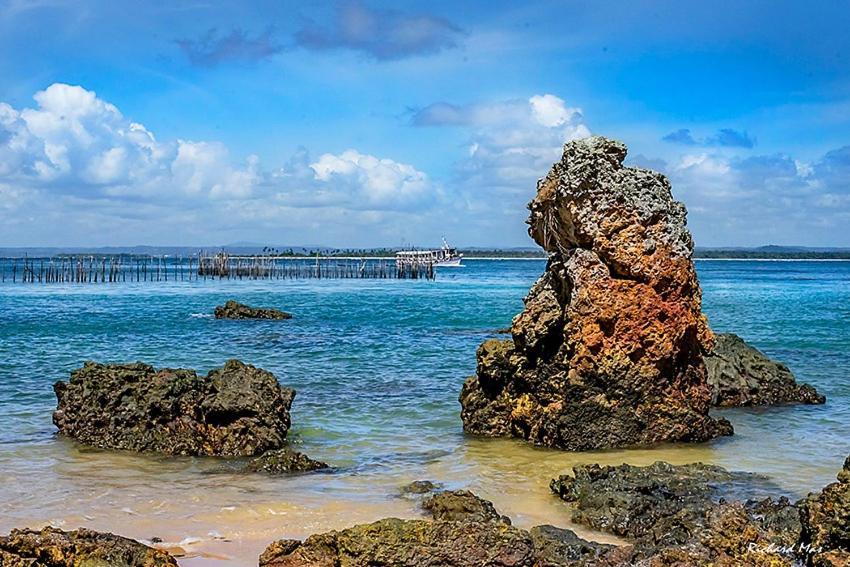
(378, 366)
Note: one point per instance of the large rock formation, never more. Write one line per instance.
(608, 351)
(53, 547)
(235, 310)
(235, 410)
(466, 531)
(741, 375)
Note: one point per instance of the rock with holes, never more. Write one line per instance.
(235, 410)
(608, 351)
(52, 547)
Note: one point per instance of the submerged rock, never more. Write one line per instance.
(283, 461)
(419, 487)
(235, 310)
(52, 547)
(741, 375)
(453, 538)
(235, 410)
(608, 351)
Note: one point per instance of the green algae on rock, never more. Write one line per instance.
(52, 547)
(235, 310)
(235, 410)
(284, 461)
(608, 351)
(741, 375)
(471, 535)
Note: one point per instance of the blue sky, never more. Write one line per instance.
(387, 123)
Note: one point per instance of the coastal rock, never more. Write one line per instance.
(52, 547)
(826, 522)
(462, 505)
(235, 310)
(451, 539)
(235, 410)
(284, 461)
(741, 375)
(677, 515)
(628, 501)
(608, 351)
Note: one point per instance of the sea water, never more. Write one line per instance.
(378, 366)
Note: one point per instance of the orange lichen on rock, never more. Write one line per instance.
(612, 334)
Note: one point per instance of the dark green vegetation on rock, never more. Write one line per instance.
(235, 310)
(741, 375)
(52, 547)
(466, 532)
(608, 350)
(235, 410)
(284, 461)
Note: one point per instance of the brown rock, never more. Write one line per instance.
(52, 547)
(235, 310)
(608, 351)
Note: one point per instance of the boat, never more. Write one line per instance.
(446, 256)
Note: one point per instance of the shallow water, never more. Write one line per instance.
(378, 366)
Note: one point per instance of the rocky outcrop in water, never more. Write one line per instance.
(235, 410)
(284, 461)
(235, 310)
(52, 547)
(826, 523)
(686, 515)
(608, 351)
(466, 532)
(741, 375)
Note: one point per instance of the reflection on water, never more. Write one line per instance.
(378, 367)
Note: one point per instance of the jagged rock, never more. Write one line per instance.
(52, 547)
(628, 500)
(235, 310)
(462, 505)
(235, 410)
(826, 522)
(608, 351)
(678, 515)
(283, 461)
(450, 540)
(741, 375)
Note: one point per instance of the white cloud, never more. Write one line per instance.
(76, 156)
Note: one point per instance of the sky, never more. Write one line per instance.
(366, 123)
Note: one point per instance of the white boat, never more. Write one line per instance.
(444, 257)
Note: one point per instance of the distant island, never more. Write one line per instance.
(769, 252)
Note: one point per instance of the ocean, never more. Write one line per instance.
(377, 366)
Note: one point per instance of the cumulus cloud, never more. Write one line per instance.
(382, 34)
(766, 198)
(212, 49)
(77, 156)
(725, 137)
(511, 143)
